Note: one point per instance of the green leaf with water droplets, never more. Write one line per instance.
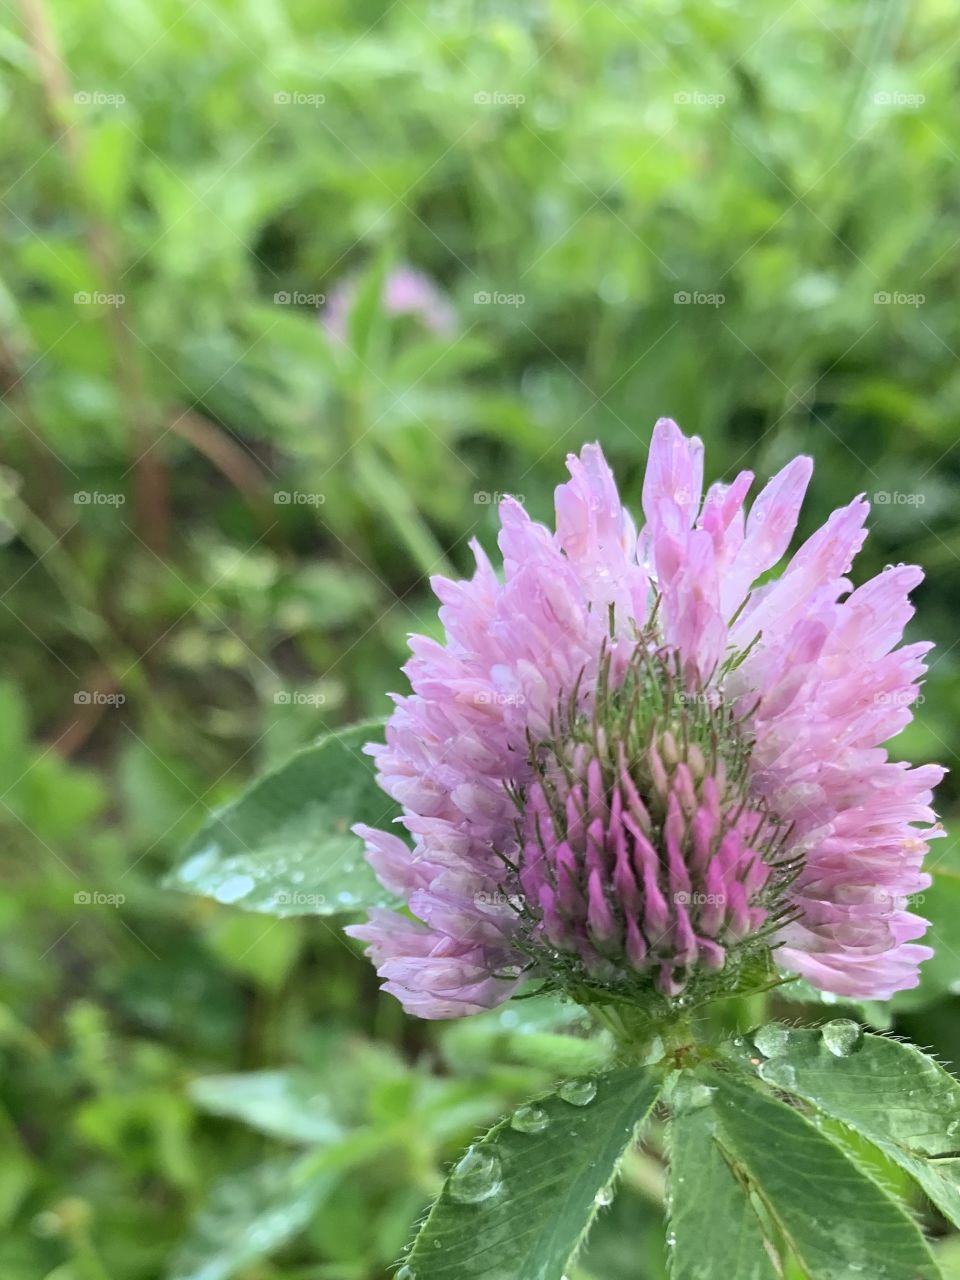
(285, 1104)
(519, 1204)
(837, 1220)
(248, 1216)
(714, 1228)
(876, 1013)
(891, 1093)
(284, 846)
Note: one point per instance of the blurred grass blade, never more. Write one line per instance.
(285, 847)
(520, 1202)
(388, 496)
(367, 320)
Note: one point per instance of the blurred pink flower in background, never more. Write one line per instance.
(406, 292)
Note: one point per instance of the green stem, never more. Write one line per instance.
(637, 1036)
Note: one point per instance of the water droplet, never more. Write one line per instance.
(529, 1119)
(772, 1041)
(654, 1052)
(690, 1095)
(234, 888)
(778, 1072)
(475, 1177)
(841, 1036)
(579, 1093)
(405, 1273)
(194, 868)
(605, 1195)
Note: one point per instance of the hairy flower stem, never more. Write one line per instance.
(643, 1041)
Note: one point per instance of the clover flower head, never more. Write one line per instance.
(634, 774)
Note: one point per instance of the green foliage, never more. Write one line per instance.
(520, 1200)
(893, 1095)
(706, 1189)
(248, 1216)
(285, 846)
(285, 1104)
(757, 1187)
(834, 1217)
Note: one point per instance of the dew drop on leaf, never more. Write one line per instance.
(690, 1095)
(529, 1119)
(194, 868)
(841, 1036)
(778, 1072)
(234, 888)
(405, 1273)
(772, 1041)
(579, 1093)
(605, 1195)
(654, 1052)
(475, 1177)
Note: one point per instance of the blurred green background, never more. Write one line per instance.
(233, 454)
